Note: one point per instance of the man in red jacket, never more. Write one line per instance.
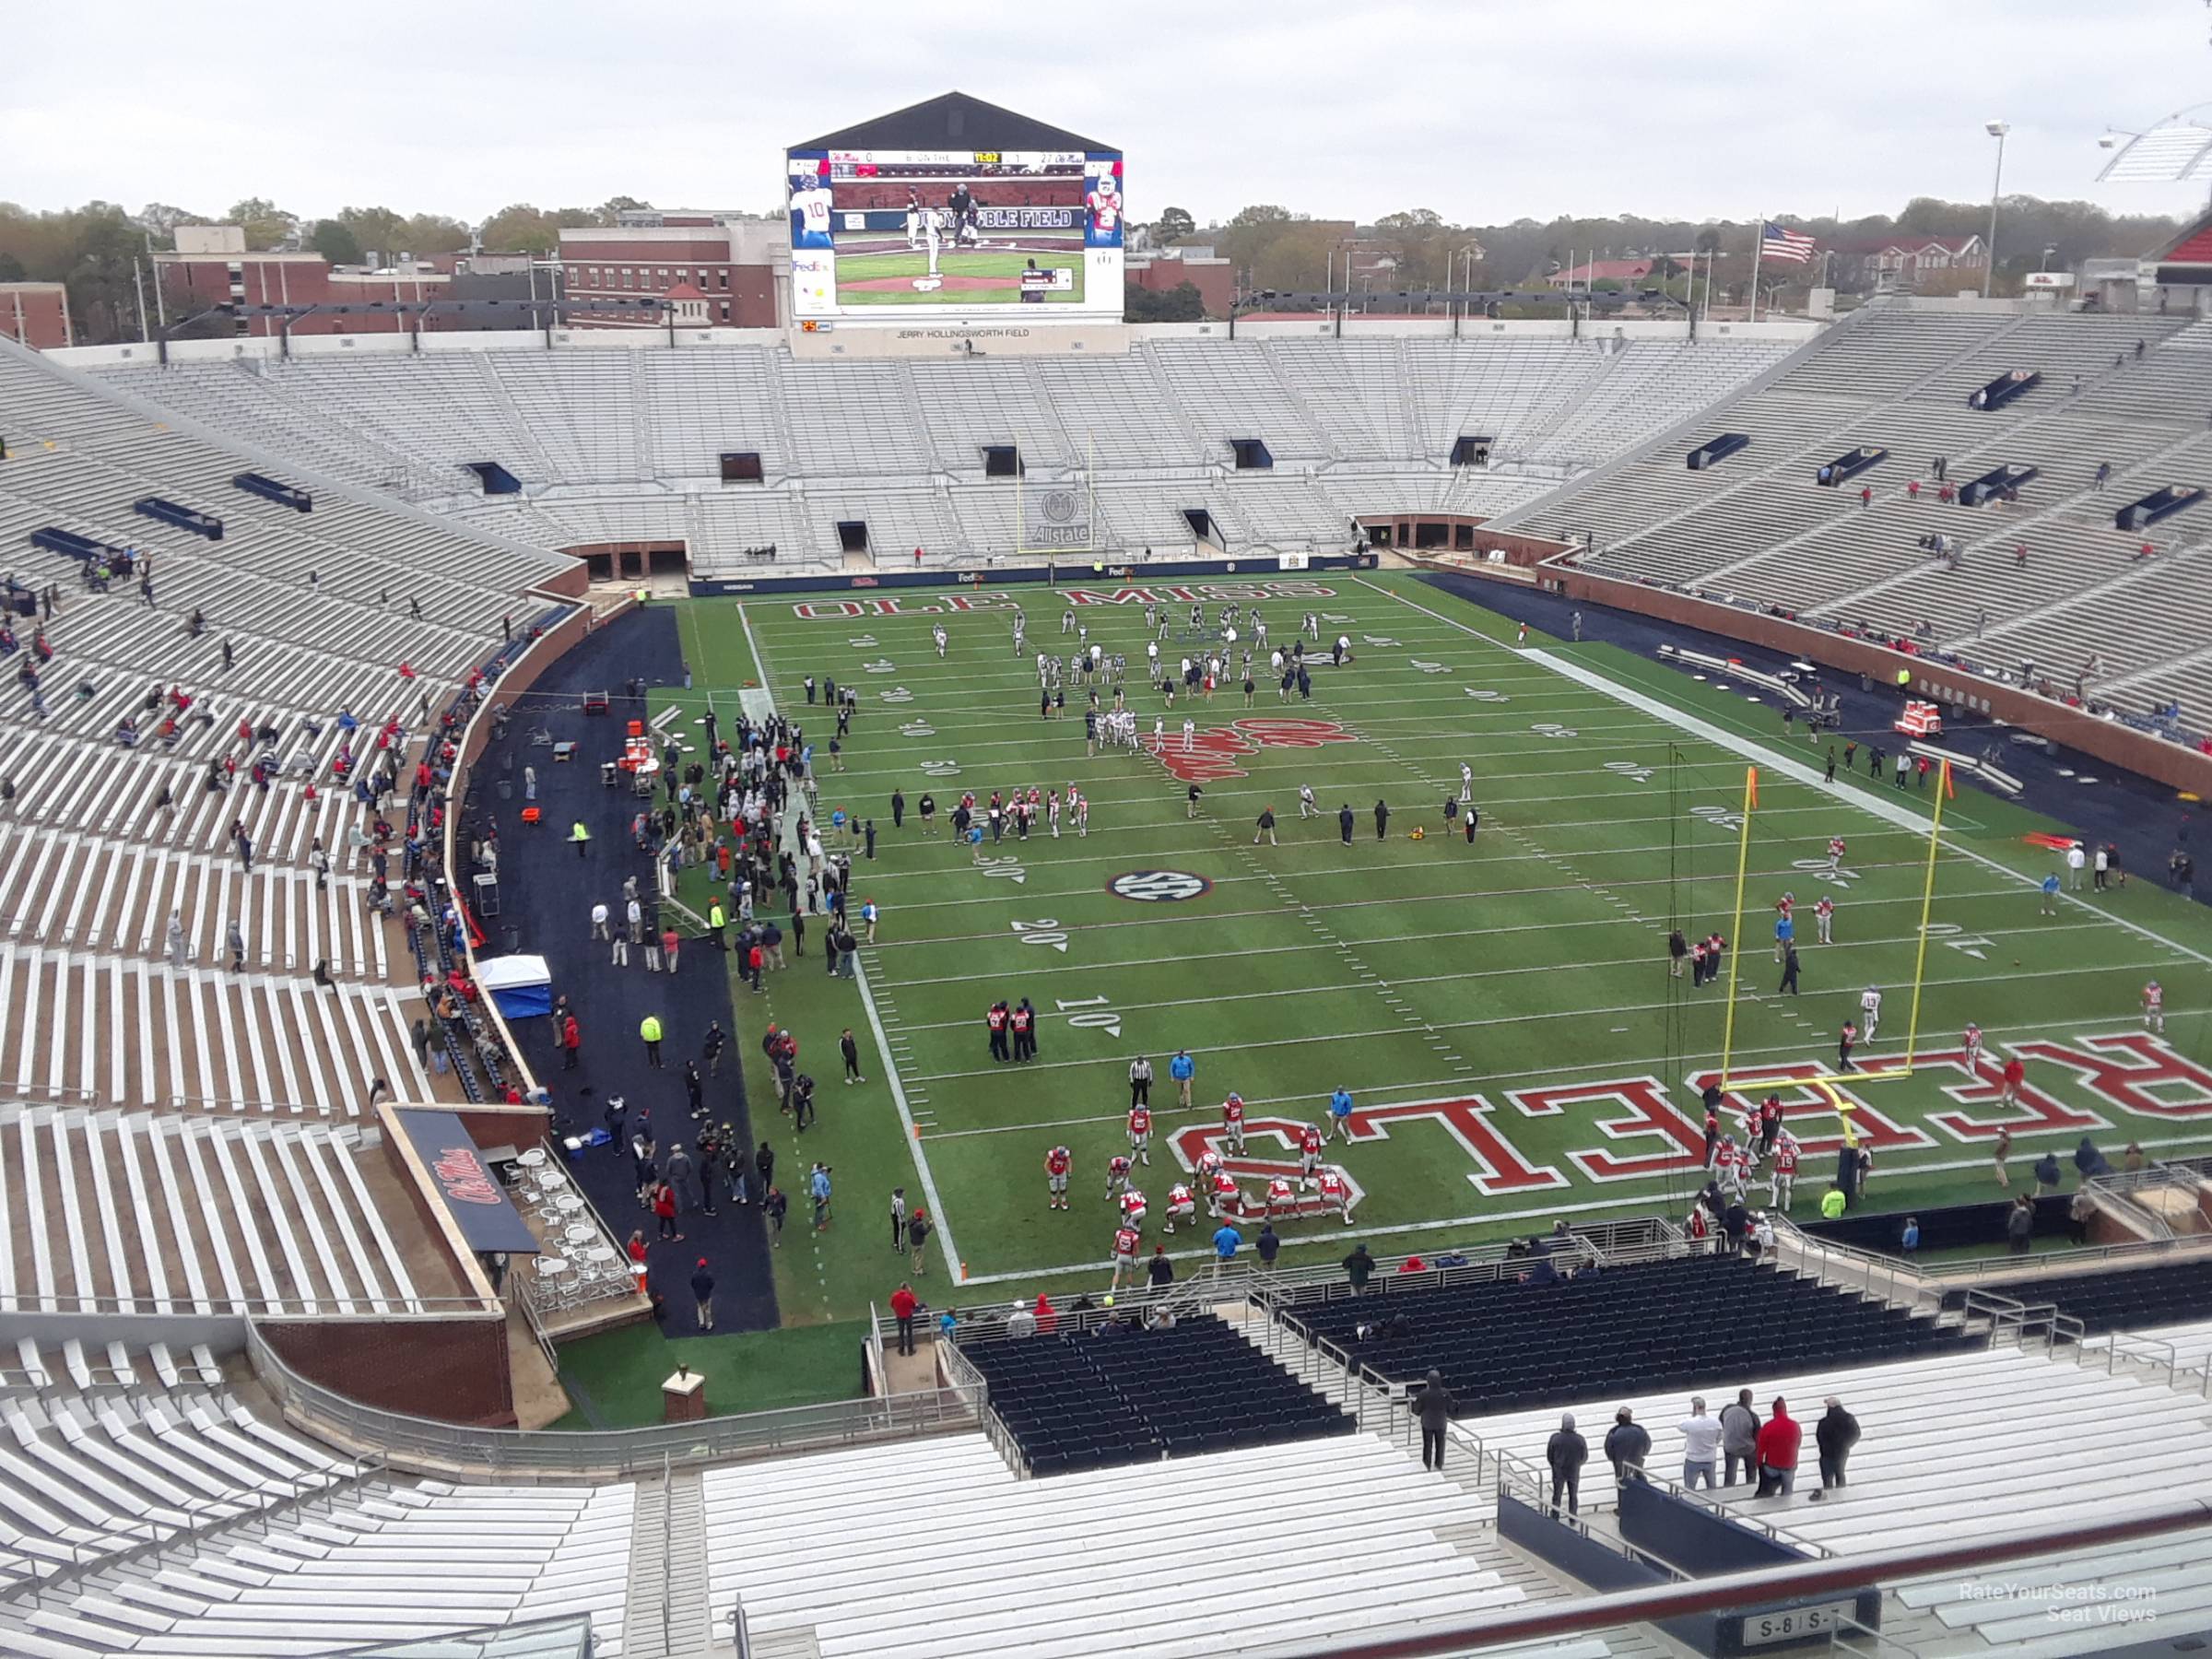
(904, 1303)
(1778, 1441)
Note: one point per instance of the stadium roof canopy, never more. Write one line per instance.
(953, 122)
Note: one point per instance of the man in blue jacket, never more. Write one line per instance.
(1182, 1068)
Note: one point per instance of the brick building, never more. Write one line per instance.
(213, 267)
(732, 261)
(35, 314)
(1167, 268)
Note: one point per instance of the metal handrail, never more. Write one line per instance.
(201, 1522)
(741, 1627)
(2061, 1263)
(1869, 1269)
(403, 1441)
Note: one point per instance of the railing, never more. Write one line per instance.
(409, 1441)
(1970, 1554)
(2059, 1263)
(2153, 1353)
(668, 1549)
(1900, 1283)
(202, 1520)
(524, 1635)
(2010, 1317)
(741, 1628)
(967, 1382)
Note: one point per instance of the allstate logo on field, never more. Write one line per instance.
(1159, 887)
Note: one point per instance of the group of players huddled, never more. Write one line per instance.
(1210, 1182)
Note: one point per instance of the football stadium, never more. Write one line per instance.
(963, 976)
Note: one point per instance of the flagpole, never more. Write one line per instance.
(1759, 246)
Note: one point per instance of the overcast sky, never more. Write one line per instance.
(1483, 110)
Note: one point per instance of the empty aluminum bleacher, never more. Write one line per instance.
(1353, 1548)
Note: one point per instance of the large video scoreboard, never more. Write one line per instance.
(889, 234)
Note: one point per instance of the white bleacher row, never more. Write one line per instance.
(385, 1566)
(571, 418)
(1756, 528)
(114, 452)
(140, 1213)
(1947, 1445)
(251, 584)
(2149, 1592)
(69, 890)
(362, 1562)
(82, 1027)
(68, 782)
(934, 1546)
(2190, 1344)
(99, 1456)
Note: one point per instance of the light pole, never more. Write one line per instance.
(1995, 129)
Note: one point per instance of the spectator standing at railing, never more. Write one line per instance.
(1358, 1267)
(1566, 1453)
(904, 1303)
(1433, 1405)
(1627, 1444)
(1739, 1436)
(1700, 1445)
(1779, 1442)
(1835, 1435)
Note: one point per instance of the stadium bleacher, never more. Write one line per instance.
(1085, 1400)
(1766, 535)
(622, 445)
(2134, 1298)
(1352, 1530)
(1504, 1345)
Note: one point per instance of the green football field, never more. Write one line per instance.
(1502, 1012)
(977, 277)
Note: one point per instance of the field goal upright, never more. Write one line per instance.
(1826, 1084)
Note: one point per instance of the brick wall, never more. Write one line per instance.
(452, 1369)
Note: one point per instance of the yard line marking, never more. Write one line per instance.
(1859, 905)
(883, 1043)
(1866, 801)
(1754, 997)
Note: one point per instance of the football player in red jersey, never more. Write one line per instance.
(1056, 1164)
(1182, 1206)
(1133, 1209)
(1117, 1175)
(1140, 1133)
(1125, 1241)
(1223, 1201)
(1310, 1143)
(1336, 1191)
(1280, 1194)
(1835, 853)
(1232, 1122)
(1782, 1180)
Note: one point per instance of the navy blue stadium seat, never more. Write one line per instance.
(1082, 1401)
(1504, 1345)
(2118, 1298)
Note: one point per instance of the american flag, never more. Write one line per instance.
(1792, 247)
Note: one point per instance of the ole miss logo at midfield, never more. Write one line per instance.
(1214, 754)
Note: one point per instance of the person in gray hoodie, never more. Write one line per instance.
(1567, 1452)
(1739, 1437)
(1433, 1406)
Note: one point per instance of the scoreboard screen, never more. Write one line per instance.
(881, 234)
